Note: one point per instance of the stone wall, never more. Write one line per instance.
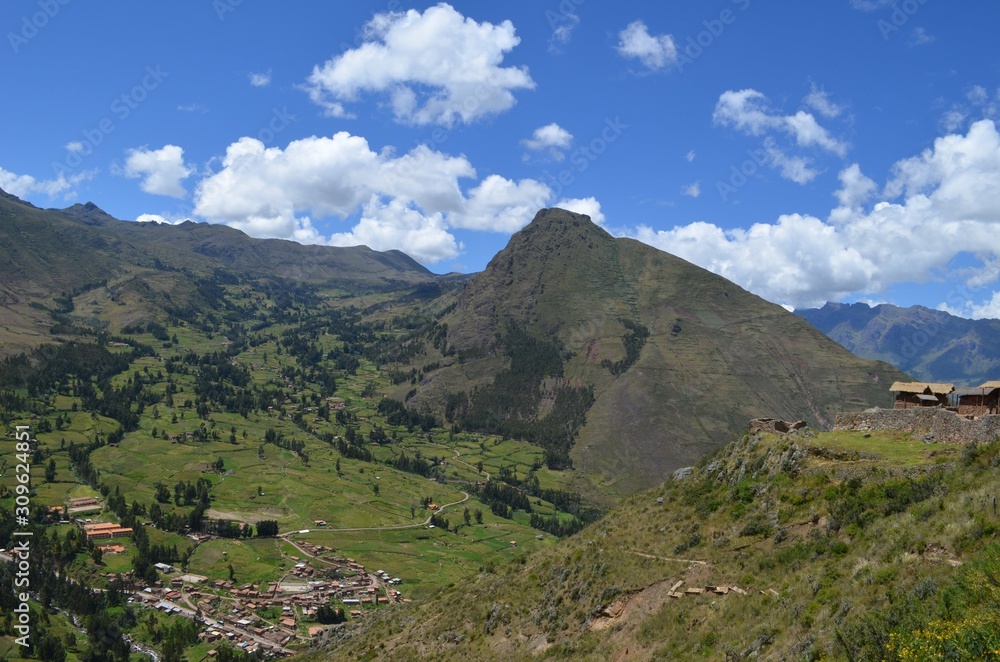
(772, 425)
(942, 425)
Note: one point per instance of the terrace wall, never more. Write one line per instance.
(945, 426)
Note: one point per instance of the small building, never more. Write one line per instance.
(979, 401)
(920, 394)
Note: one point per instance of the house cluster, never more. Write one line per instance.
(102, 530)
(971, 402)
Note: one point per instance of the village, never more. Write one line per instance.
(275, 617)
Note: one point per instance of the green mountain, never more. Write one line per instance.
(928, 344)
(52, 256)
(837, 546)
(653, 361)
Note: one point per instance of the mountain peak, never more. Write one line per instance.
(562, 224)
(88, 213)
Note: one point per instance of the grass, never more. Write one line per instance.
(771, 517)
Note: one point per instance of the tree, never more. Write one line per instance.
(479, 516)
(466, 516)
(376, 489)
(232, 573)
(97, 555)
(50, 471)
(338, 466)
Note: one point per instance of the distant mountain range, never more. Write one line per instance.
(52, 254)
(929, 344)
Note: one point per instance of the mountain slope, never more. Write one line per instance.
(791, 547)
(678, 359)
(929, 344)
(51, 256)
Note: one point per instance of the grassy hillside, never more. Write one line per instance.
(52, 256)
(831, 546)
(677, 359)
(928, 344)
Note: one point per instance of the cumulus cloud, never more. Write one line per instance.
(940, 204)
(501, 205)
(161, 170)
(654, 51)
(390, 225)
(551, 139)
(24, 186)
(434, 67)
(409, 201)
(588, 206)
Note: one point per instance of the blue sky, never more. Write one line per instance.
(810, 151)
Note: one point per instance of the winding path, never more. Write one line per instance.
(390, 528)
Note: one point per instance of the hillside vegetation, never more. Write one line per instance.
(831, 546)
(667, 360)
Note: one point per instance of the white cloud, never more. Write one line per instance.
(326, 176)
(819, 101)
(161, 170)
(152, 218)
(920, 37)
(75, 146)
(857, 189)
(653, 51)
(562, 29)
(794, 168)
(551, 139)
(748, 111)
(690, 156)
(989, 309)
(23, 186)
(260, 79)
(936, 206)
(384, 226)
(408, 201)
(436, 67)
(692, 190)
(193, 108)
(588, 206)
(501, 205)
(979, 103)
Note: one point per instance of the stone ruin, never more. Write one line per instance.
(774, 425)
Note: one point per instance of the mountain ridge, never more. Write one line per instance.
(659, 340)
(930, 344)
